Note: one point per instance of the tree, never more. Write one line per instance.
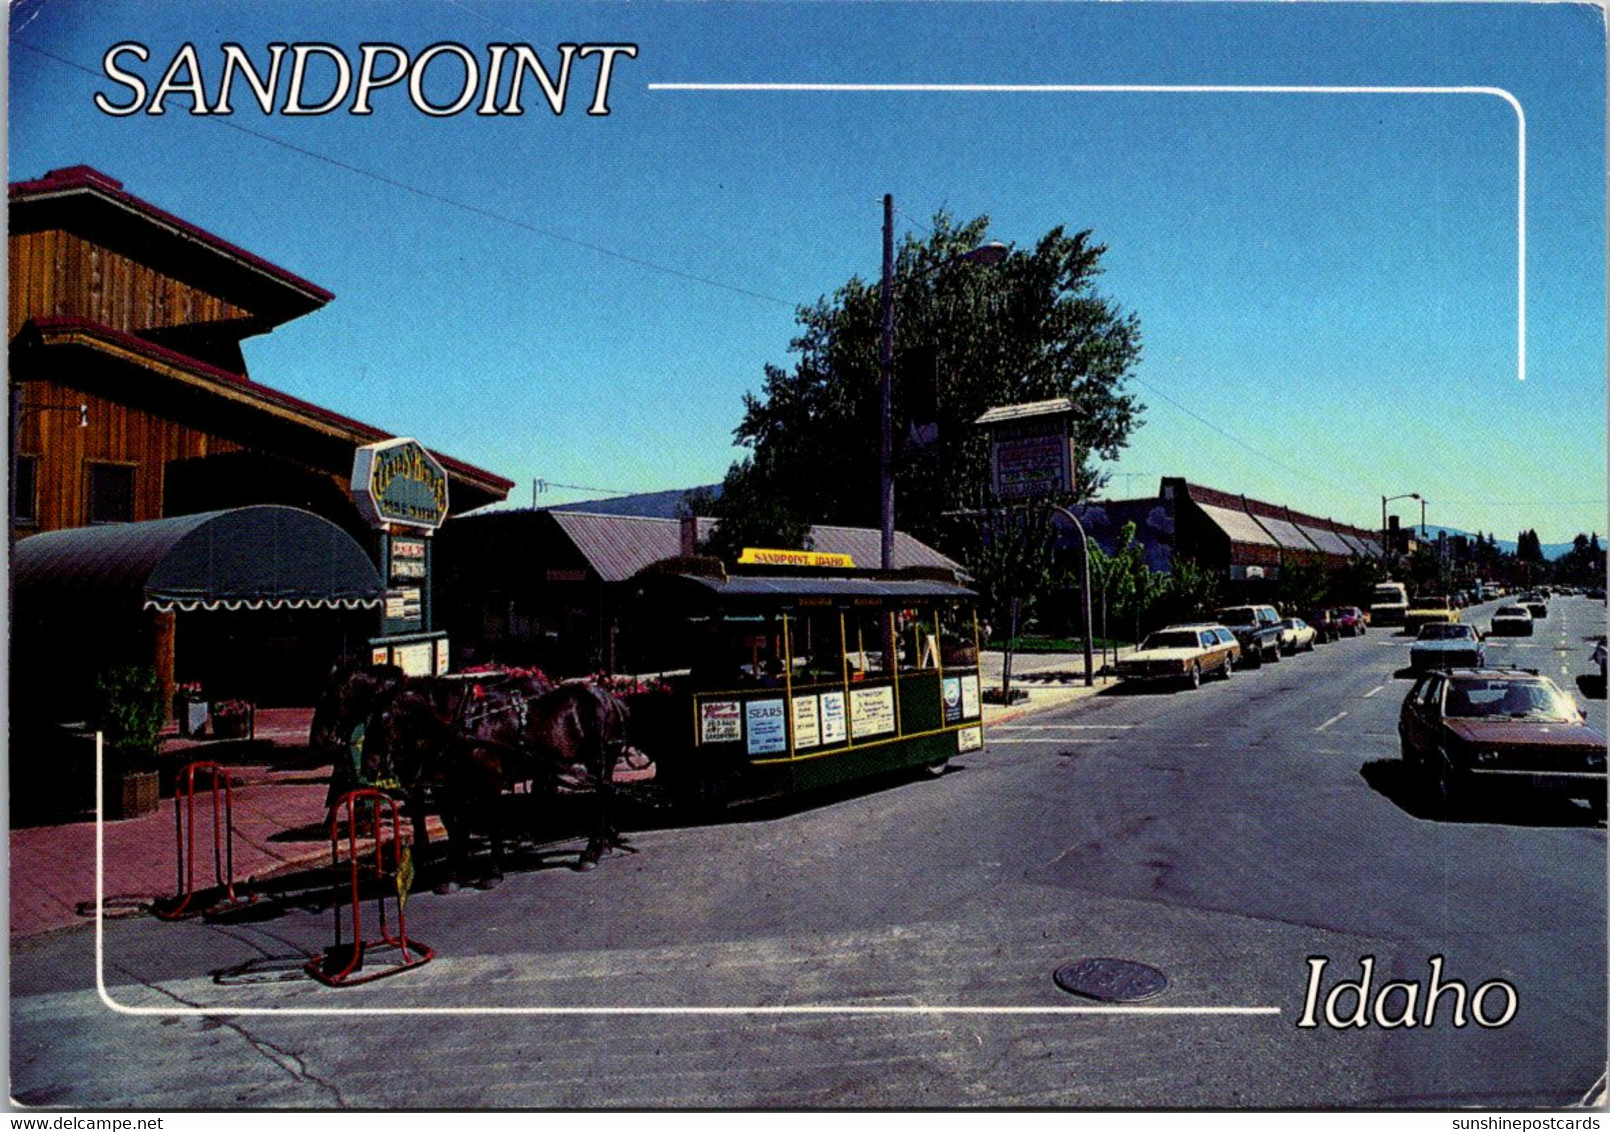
(1030, 328)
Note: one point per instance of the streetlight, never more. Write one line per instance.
(1385, 548)
(990, 253)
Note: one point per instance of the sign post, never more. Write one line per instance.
(1031, 458)
(401, 489)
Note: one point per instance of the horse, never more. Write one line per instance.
(468, 739)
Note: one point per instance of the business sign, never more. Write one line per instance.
(767, 723)
(1031, 449)
(871, 711)
(720, 721)
(807, 722)
(759, 556)
(407, 559)
(952, 696)
(397, 481)
(833, 717)
(969, 739)
(970, 697)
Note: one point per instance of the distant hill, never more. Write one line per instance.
(647, 505)
(1551, 550)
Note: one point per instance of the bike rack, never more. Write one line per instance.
(179, 906)
(338, 966)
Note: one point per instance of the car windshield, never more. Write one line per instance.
(1242, 616)
(1502, 698)
(1172, 639)
(1447, 633)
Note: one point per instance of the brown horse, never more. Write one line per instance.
(465, 740)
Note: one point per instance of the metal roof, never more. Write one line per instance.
(618, 546)
(1354, 545)
(830, 587)
(1237, 524)
(1328, 541)
(1003, 414)
(247, 557)
(1285, 534)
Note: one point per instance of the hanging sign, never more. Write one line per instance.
(398, 481)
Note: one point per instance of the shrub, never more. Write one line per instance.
(128, 710)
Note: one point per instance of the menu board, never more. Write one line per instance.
(871, 711)
(833, 717)
(767, 723)
(720, 721)
(807, 722)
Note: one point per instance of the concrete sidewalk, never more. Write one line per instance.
(1049, 679)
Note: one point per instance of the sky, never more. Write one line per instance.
(1328, 283)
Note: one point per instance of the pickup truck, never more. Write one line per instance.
(1429, 610)
(1256, 629)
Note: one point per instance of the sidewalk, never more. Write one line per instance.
(279, 826)
(279, 793)
(1050, 679)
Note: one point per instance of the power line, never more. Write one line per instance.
(472, 209)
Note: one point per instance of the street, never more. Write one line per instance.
(894, 945)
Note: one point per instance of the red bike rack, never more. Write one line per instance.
(340, 964)
(184, 904)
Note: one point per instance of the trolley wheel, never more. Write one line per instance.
(937, 767)
(707, 797)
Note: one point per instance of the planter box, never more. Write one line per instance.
(132, 794)
(230, 726)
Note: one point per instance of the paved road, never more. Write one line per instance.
(1223, 836)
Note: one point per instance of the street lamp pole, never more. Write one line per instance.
(886, 391)
(1084, 587)
(993, 252)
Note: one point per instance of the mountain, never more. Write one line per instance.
(1551, 550)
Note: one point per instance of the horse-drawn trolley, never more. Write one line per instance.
(796, 679)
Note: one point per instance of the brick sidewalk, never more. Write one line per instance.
(279, 814)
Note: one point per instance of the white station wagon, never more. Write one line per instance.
(1183, 652)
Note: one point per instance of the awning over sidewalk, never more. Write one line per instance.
(264, 557)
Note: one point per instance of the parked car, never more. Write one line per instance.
(1511, 621)
(1184, 653)
(1256, 628)
(1507, 727)
(1350, 619)
(1297, 635)
(1447, 646)
(1429, 610)
(1327, 627)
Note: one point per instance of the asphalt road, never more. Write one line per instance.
(895, 945)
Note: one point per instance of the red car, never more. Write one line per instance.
(1349, 620)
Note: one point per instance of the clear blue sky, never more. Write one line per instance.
(1331, 280)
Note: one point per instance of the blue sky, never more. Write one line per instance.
(1326, 283)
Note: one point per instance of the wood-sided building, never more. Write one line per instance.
(131, 403)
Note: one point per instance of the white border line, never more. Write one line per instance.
(1163, 88)
(224, 1010)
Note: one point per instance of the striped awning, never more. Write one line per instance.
(263, 557)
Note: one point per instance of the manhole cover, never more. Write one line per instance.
(1111, 980)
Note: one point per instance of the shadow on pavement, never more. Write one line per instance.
(1411, 792)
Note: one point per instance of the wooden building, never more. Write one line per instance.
(131, 403)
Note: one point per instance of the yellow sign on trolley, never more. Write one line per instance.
(757, 556)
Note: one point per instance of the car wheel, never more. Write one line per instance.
(1310, 647)
(1449, 788)
(1229, 667)
(1275, 655)
(1195, 678)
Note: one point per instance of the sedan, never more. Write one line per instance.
(1447, 646)
(1538, 609)
(1507, 727)
(1184, 653)
(1511, 621)
(1350, 620)
(1297, 635)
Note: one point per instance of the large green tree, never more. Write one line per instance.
(1029, 328)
